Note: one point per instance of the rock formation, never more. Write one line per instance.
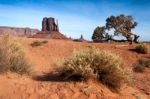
(50, 29)
(81, 39)
(48, 24)
(22, 32)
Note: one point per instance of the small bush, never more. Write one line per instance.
(102, 65)
(141, 49)
(145, 62)
(44, 41)
(38, 43)
(12, 56)
(141, 65)
(138, 68)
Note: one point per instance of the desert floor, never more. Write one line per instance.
(40, 86)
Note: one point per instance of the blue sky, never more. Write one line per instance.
(75, 17)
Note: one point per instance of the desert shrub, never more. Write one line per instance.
(145, 62)
(38, 43)
(102, 65)
(141, 49)
(45, 41)
(138, 68)
(12, 56)
(141, 65)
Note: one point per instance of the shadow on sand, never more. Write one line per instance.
(56, 77)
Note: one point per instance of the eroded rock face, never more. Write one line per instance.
(22, 32)
(50, 29)
(49, 24)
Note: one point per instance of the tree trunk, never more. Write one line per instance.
(129, 39)
(136, 38)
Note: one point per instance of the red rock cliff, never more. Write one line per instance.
(23, 32)
(48, 24)
(50, 29)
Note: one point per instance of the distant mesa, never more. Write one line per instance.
(21, 32)
(50, 29)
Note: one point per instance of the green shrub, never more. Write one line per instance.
(102, 65)
(141, 49)
(12, 56)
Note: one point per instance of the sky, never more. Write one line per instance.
(75, 17)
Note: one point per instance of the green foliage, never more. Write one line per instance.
(122, 25)
(141, 49)
(98, 34)
(101, 65)
(12, 56)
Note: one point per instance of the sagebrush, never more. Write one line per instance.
(141, 65)
(141, 49)
(12, 56)
(101, 65)
(38, 43)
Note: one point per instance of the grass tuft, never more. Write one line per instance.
(141, 49)
(12, 56)
(141, 65)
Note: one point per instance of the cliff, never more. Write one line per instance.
(21, 32)
(49, 24)
(50, 29)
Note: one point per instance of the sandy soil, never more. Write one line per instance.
(42, 58)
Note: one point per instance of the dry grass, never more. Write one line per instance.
(141, 65)
(12, 56)
(101, 65)
(138, 68)
(145, 62)
(141, 49)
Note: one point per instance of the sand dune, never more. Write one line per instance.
(13, 86)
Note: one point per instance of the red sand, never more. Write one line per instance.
(13, 86)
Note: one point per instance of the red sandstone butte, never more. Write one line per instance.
(50, 29)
